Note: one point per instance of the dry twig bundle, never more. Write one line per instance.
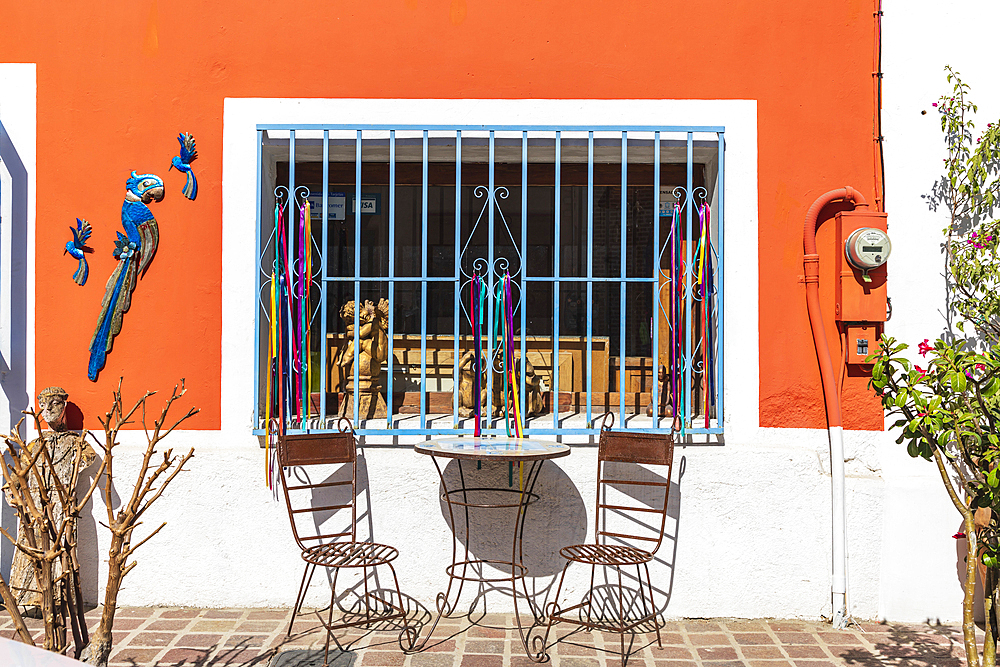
(49, 539)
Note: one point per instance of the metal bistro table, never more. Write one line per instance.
(518, 496)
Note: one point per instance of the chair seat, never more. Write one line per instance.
(350, 554)
(605, 554)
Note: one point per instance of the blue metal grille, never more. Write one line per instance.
(684, 285)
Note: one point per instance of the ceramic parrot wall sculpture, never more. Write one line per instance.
(134, 250)
(77, 247)
(183, 162)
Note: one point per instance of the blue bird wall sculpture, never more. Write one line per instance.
(183, 163)
(77, 247)
(134, 251)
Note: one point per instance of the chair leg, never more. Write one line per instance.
(329, 619)
(553, 608)
(590, 594)
(411, 636)
(301, 597)
(652, 603)
(621, 615)
(368, 599)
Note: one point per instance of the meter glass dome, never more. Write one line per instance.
(867, 248)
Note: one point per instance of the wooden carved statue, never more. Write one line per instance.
(664, 391)
(532, 404)
(374, 350)
(467, 386)
(62, 445)
(533, 389)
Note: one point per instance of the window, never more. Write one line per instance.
(598, 229)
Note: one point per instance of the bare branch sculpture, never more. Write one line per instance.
(127, 519)
(44, 497)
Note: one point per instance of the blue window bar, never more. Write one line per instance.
(597, 252)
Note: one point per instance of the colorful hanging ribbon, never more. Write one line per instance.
(289, 367)
(706, 279)
(475, 314)
(501, 340)
(676, 304)
(504, 344)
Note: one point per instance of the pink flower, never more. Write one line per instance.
(933, 104)
(923, 348)
(921, 414)
(980, 367)
(959, 535)
(920, 370)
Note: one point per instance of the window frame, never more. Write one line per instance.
(425, 130)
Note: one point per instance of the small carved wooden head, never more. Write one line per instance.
(52, 407)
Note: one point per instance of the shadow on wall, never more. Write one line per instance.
(557, 518)
(87, 545)
(13, 301)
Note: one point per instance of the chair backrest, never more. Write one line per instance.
(655, 449)
(319, 449)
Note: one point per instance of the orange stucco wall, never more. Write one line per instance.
(118, 80)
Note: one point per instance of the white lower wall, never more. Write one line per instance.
(751, 522)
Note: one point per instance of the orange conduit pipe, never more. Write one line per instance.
(831, 395)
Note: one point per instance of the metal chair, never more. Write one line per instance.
(616, 550)
(339, 550)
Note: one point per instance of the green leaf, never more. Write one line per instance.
(877, 373)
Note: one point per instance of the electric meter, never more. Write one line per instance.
(866, 249)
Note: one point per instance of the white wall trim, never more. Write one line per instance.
(18, 115)
(241, 116)
(17, 255)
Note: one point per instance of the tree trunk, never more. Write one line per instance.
(989, 642)
(99, 649)
(10, 603)
(969, 601)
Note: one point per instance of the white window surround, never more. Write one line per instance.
(239, 201)
(17, 310)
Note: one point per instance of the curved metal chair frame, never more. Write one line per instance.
(617, 447)
(334, 550)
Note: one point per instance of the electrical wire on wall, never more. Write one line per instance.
(877, 138)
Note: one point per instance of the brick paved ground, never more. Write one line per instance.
(173, 637)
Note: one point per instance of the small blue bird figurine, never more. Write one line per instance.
(77, 247)
(183, 163)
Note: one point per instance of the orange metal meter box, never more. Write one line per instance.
(860, 293)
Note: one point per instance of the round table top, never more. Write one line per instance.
(499, 448)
